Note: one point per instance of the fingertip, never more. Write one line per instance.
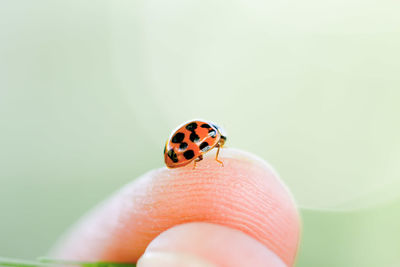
(246, 194)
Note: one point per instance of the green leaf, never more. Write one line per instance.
(47, 262)
(86, 264)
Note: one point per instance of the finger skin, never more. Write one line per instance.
(245, 194)
(215, 244)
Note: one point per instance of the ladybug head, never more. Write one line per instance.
(221, 132)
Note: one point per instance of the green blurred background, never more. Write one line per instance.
(89, 91)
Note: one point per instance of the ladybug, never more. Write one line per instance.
(190, 141)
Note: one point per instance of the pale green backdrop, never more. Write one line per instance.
(89, 91)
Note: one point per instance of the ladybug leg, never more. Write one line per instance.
(216, 156)
(197, 160)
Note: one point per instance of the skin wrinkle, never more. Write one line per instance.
(219, 188)
(223, 204)
(257, 226)
(192, 194)
(240, 215)
(252, 201)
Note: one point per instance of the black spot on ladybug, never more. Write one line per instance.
(165, 149)
(194, 137)
(212, 133)
(183, 146)
(178, 137)
(191, 126)
(189, 154)
(172, 155)
(204, 146)
(205, 125)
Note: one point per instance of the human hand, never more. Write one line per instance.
(237, 215)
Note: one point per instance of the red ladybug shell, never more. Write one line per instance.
(190, 141)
